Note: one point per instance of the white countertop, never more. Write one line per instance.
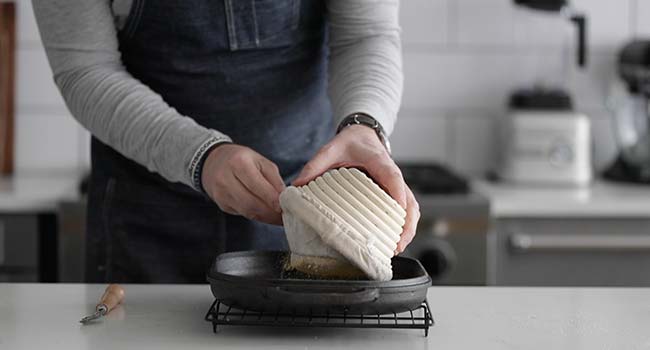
(601, 199)
(37, 192)
(162, 317)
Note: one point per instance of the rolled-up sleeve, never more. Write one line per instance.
(365, 59)
(81, 43)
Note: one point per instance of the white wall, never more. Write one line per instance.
(462, 59)
(47, 137)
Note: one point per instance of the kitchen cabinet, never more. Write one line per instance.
(592, 236)
(29, 205)
(572, 252)
(18, 248)
(72, 241)
(28, 247)
(451, 239)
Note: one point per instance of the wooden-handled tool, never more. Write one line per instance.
(113, 296)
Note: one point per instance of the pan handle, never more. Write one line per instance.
(304, 297)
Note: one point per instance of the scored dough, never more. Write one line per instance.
(361, 213)
(380, 214)
(356, 230)
(339, 218)
(358, 179)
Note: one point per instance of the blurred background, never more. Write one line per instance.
(522, 129)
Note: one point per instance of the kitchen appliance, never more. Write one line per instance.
(563, 8)
(451, 239)
(433, 179)
(629, 103)
(256, 283)
(544, 140)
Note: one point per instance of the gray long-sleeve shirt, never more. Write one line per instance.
(80, 37)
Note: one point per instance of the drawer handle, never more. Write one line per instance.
(557, 242)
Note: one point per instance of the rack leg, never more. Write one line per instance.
(213, 316)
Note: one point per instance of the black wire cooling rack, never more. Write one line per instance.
(221, 314)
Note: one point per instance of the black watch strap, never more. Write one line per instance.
(364, 119)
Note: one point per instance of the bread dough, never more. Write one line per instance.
(338, 219)
(378, 196)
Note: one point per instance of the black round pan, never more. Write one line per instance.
(256, 281)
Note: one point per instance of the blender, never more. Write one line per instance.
(545, 141)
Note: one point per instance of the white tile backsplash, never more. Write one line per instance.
(46, 141)
(541, 29)
(462, 59)
(420, 136)
(485, 23)
(424, 22)
(84, 153)
(641, 18)
(459, 80)
(47, 137)
(544, 66)
(608, 22)
(590, 86)
(35, 86)
(28, 34)
(473, 145)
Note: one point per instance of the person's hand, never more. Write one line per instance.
(358, 146)
(243, 182)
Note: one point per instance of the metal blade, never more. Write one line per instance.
(92, 317)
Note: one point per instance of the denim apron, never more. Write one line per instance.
(253, 69)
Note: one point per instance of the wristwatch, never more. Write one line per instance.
(364, 119)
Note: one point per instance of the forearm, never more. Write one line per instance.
(134, 120)
(81, 44)
(365, 59)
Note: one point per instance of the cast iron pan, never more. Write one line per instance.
(256, 281)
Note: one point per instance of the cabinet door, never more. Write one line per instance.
(18, 249)
(573, 252)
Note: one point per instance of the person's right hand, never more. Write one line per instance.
(243, 182)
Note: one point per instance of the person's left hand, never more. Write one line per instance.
(358, 146)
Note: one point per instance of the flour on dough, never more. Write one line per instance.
(339, 219)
